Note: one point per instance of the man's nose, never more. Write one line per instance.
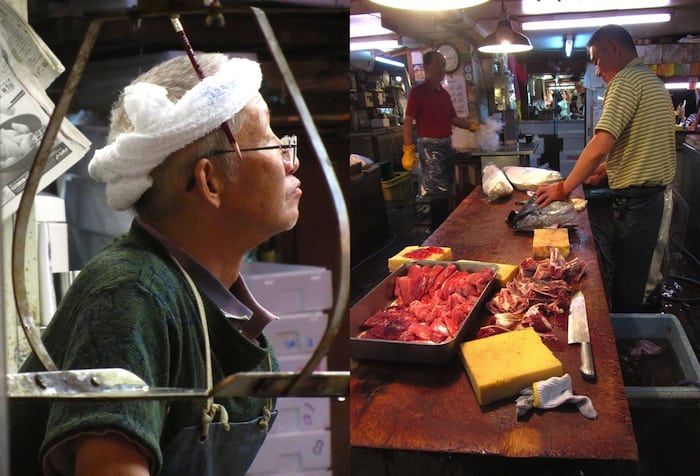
(291, 167)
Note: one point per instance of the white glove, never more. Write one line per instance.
(551, 393)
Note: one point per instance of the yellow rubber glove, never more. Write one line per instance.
(409, 161)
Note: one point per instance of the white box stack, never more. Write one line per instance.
(288, 288)
(299, 443)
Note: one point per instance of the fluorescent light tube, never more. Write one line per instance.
(383, 45)
(388, 61)
(685, 85)
(430, 5)
(596, 21)
(546, 7)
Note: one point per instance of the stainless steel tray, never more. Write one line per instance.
(416, 352)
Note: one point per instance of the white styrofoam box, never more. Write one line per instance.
(297, 333)
(296, 362)
(58, 246)
(49, 208)
(293, 452)
(50, 216)
(289, 288)
(302, 414)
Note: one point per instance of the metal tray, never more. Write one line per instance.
(416, 352)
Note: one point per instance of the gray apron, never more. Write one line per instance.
(223, 452)
(216, 448)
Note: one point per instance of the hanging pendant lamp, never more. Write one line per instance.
(505, 39)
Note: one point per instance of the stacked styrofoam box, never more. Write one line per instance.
(299, 443)
(288, 288)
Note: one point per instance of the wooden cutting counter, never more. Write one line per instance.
(409, 419)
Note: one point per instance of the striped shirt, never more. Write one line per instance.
(638, 112)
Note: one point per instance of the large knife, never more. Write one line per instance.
(579, 334)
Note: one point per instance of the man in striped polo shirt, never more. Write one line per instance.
(634, 144)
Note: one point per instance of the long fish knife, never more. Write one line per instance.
(579, 334)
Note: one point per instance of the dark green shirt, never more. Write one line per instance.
(132, 308)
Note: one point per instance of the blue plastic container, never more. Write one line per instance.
(668, 327)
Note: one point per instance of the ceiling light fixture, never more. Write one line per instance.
(592, 21)
(505, 39)
(367, 24)
(432, 5)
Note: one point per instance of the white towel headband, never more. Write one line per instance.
(162, 127)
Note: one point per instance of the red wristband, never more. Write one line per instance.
(560, 190)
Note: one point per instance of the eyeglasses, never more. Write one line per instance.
(288, 147)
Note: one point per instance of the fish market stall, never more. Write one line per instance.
(413, 418)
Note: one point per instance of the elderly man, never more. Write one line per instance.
(634, 142)
(166, 301)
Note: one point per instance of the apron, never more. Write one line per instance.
(222, 453)
(216, 448)
(437, 164)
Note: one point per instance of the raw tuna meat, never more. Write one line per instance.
(423, 252)
(431, 304)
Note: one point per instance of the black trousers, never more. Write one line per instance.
(637, 213)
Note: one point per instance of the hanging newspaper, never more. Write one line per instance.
(27, 68)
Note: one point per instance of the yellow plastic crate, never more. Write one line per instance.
(397, 189)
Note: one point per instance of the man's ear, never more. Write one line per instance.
(615, 48)
(208, 182)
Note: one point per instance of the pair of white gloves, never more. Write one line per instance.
(551, 393)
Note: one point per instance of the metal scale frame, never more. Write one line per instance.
(119, 383)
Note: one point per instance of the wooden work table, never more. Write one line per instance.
(409, 419)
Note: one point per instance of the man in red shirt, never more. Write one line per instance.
(430, 105)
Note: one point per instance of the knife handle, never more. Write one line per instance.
(587, 367)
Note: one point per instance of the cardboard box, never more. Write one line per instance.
(289, 288)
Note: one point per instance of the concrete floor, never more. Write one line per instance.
(409, 224)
